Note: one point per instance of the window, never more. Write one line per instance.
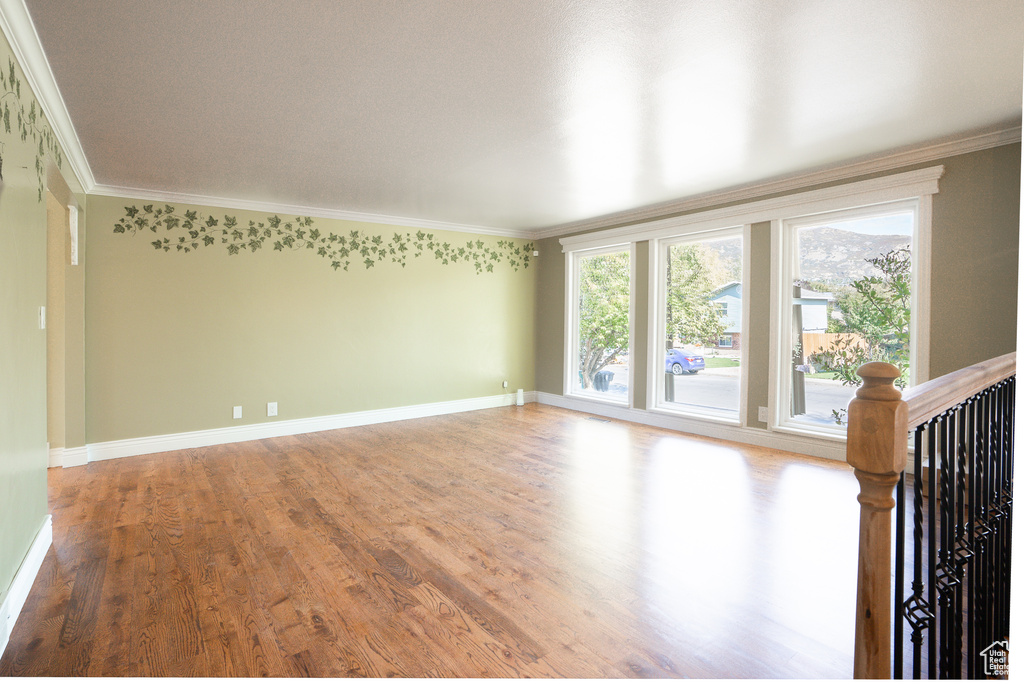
(700, 300)
(599, 343)
(847, 298)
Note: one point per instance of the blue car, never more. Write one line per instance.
(678, 362)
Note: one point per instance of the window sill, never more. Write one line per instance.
(806, 431)
(597, 399)
(720, 418)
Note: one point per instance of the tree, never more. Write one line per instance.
(603, 312)
(877, 309)
(694, 273)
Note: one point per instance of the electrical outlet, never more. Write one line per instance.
(271, 408)
(504, 384)
(236, 413)
(762, 414)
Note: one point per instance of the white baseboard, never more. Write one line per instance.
(22, 584)
(75, 456)
(102, 451)
(810, 446)
(56, 458)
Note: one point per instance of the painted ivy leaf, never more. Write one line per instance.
(232, 249)
(158, 244)
(229, 221)
(335, 265)
(369, 263)
(208, 240)
(131, 211)
(490, 268)
(191, 215)
(314, 234)
(274, 221)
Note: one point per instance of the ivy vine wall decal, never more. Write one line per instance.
(188, 231)
(29, 122)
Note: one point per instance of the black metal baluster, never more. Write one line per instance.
(897, 614)
(979, 567)
(972, 501)
(941, 578)
(963, 550)
(1007, 500)
(915, 610)
(997, 512)
(985, 574)
(933, 553)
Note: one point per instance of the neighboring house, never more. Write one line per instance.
(729, 300)
(813, 310)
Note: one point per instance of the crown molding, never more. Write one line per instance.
(21, 34)
(300, 210)
(885, 162)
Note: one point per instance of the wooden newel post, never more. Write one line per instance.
(876, 447)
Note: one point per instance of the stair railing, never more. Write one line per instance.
(957, 599)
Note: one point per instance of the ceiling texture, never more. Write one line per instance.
(515, 115)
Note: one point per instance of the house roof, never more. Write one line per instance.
(731, 285)
(511, 116)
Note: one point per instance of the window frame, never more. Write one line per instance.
(571, 335)
(657, 310)
(781, 315)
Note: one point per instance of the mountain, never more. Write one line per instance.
(840, 256)
(826, 254)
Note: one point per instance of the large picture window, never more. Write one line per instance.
(847, 298)
(601, 323)
(699, 350)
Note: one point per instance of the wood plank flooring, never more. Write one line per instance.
(529, 541)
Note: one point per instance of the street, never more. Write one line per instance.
(719, 388)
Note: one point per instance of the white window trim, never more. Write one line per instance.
(899, 186)
(781, 313)
(571, 335)
(919, 183)
(657, 301)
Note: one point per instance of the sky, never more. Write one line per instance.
(893, 224)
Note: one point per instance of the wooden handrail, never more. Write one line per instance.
(879, 421)
(935, 396)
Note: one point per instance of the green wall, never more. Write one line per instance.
(175, 340)
(23, 451)
(975, 225)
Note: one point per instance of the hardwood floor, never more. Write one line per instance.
(510, 542)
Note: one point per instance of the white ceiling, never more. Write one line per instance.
(515, 114)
